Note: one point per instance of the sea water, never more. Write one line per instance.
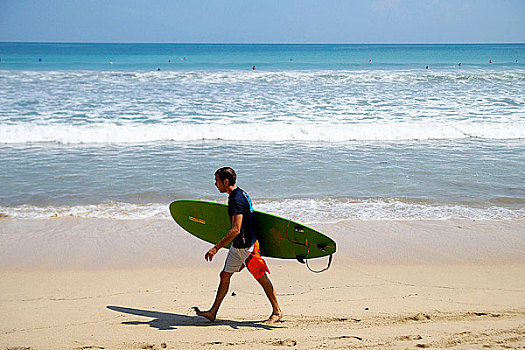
(315, 132)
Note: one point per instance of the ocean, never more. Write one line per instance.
(317, 133)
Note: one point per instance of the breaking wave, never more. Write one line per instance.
(304, 210)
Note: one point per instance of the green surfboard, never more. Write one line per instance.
(278, 237)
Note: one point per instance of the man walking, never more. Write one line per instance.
(244, 251)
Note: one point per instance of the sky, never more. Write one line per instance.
(263, 21)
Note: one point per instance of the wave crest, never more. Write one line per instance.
(271, 131)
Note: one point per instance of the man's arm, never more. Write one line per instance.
(232, 233)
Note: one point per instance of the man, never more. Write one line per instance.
(244, 251)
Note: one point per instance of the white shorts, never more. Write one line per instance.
(236, 259)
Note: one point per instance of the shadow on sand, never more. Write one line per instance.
(165, 321)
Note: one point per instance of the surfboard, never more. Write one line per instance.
(278, 237)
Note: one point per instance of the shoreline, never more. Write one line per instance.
(93, 243)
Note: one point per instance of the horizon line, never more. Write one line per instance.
(261, 43)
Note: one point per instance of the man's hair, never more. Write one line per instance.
(227, 173)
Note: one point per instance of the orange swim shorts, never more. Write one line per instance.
(255, 263)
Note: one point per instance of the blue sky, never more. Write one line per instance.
(263, 21)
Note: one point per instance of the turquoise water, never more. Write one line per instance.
(188, 57)
(316, 132)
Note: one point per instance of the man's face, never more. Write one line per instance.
(221, 186)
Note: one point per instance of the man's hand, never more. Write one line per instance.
(210, 254)
(232, 233)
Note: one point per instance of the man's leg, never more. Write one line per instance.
(224, 285)
(267, 285)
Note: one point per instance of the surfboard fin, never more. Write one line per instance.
(322, 247)
(300, 258)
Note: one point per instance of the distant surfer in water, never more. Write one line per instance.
(244, 251)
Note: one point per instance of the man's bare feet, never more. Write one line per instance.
(207, 314)
(274, 318)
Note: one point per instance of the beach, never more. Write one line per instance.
(410, 156)
(71, 283)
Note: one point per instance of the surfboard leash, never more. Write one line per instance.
(307, 252)
(318, 271)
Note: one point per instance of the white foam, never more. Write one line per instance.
(332, 210)
(272, 131)
(304, 210)
(113, 210)
(327, 106)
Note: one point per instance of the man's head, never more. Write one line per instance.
(225, 178)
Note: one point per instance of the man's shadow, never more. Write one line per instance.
(165, 321)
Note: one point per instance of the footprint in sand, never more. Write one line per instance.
(284, 342)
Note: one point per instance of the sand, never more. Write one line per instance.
(70, 283)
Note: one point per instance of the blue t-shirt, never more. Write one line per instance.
(240, 203)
